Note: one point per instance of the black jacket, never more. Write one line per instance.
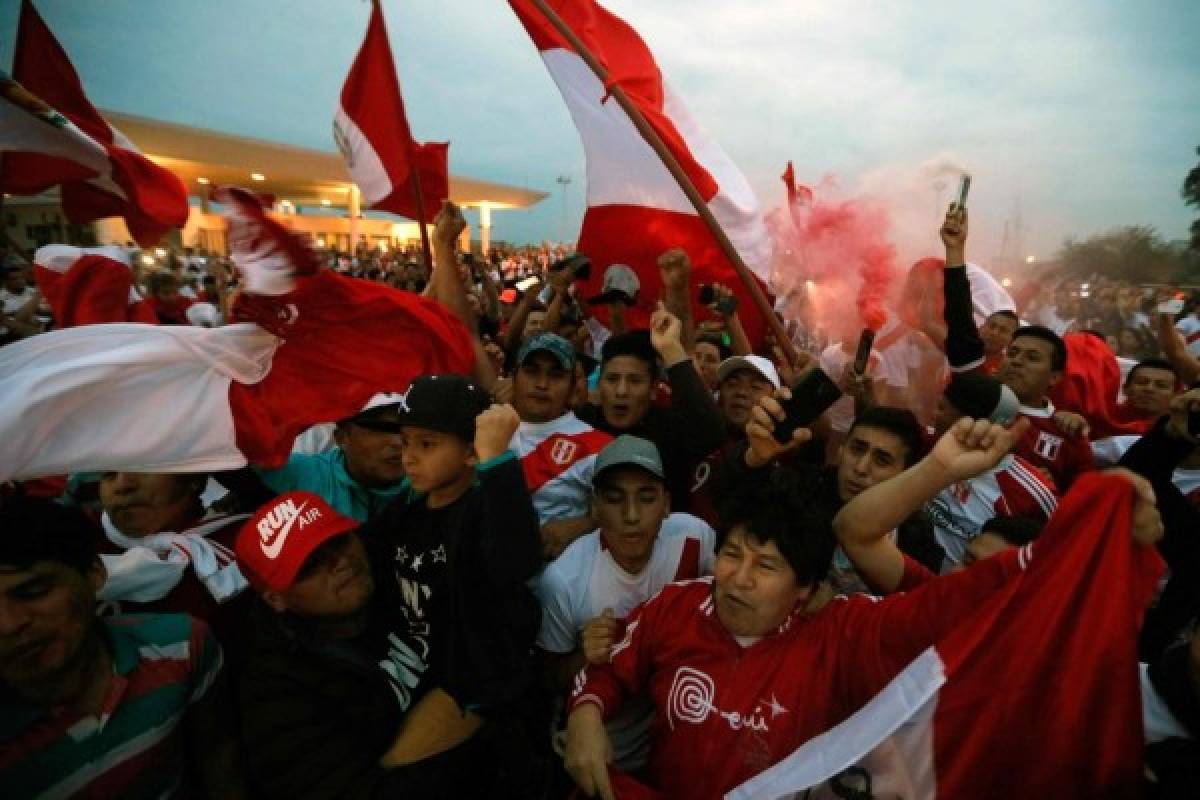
(685, 434)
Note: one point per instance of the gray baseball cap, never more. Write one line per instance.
(629, 451)
(620, 284)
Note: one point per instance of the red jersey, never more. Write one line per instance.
(724, 712)
(1045, 446)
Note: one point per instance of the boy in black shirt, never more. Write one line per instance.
(443, 649)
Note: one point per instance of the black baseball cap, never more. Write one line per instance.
(446, 403)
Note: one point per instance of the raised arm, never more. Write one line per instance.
(964, 347)
(695, 420)
(676, 271)
(1176, 350)
(862, 526)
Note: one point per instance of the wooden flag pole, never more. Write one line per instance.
(416, 186)
(685, 183)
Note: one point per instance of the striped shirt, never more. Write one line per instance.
(162, 663)
(1010, 489)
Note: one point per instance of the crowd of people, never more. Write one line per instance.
(494, 584)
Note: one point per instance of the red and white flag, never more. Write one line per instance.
(51, 135)
(89, 285)
(635, 209)
(371, 130)
(1037, 695)
(188, 399)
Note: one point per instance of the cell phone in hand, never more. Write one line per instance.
(525, 284)
(964, 186)
(865, 340)
(811, 396)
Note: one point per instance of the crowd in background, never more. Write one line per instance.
(490, 586)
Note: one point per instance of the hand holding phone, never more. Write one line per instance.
(811, 396)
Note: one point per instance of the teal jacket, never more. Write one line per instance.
(325, 474)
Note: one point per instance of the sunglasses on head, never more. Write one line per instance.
(379, 425)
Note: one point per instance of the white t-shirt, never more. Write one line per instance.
(1189, 326)
(12, 302)
(585, 580)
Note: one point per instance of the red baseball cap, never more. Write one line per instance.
(272, 546)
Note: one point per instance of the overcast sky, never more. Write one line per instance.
(1082, 115)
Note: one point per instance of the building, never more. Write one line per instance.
(311, 190)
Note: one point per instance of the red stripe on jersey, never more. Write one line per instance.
(1018, 498)
(689, 561)
(558, 453)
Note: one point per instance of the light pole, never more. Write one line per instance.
(564, 181)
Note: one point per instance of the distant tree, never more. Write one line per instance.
(1135, 253)
(1191, 196)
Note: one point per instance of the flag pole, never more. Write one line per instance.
(416, 187)
(685, 183)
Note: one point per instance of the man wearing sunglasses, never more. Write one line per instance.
(361, 474)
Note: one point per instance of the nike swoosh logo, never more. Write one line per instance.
(272, 550)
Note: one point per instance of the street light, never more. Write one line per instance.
(564, 181)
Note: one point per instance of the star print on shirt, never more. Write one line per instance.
(416, 565)
(402, 554)
(439, 554)
(776, 707)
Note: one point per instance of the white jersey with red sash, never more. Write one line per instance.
(558, 458)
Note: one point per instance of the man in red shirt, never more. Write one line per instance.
(747, 665)
(1035, 362)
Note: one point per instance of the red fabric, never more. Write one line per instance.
(724, 713)
(344, 340)
(93, 290)
(637, 236)
(1042, 698)
(154, 201)
(371, 97)
(629, 63)
(1089, 386)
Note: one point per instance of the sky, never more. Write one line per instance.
(1075, 115)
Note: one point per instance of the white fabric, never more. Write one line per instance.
(902, 713)
(60, 257)
(1107, 452)
(1157, 720)
(1189, 326)
(585, 580)
(987, 295)
(623, 170)
(366, 168)
(1187, 480)
(127, 396)
(317, 439)
(22, 131)
(153, 565)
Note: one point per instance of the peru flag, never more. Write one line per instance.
(308, 347)
(51, 135)
(371, 131)
(635, 209)
(89, 285)
(1037, 695)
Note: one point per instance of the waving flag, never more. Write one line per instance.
(89, 285)
(371, 130)
(189, 399)
(635, 208)
(51, 135)
(1036, 696)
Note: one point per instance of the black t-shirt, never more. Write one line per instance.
(412, 577)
